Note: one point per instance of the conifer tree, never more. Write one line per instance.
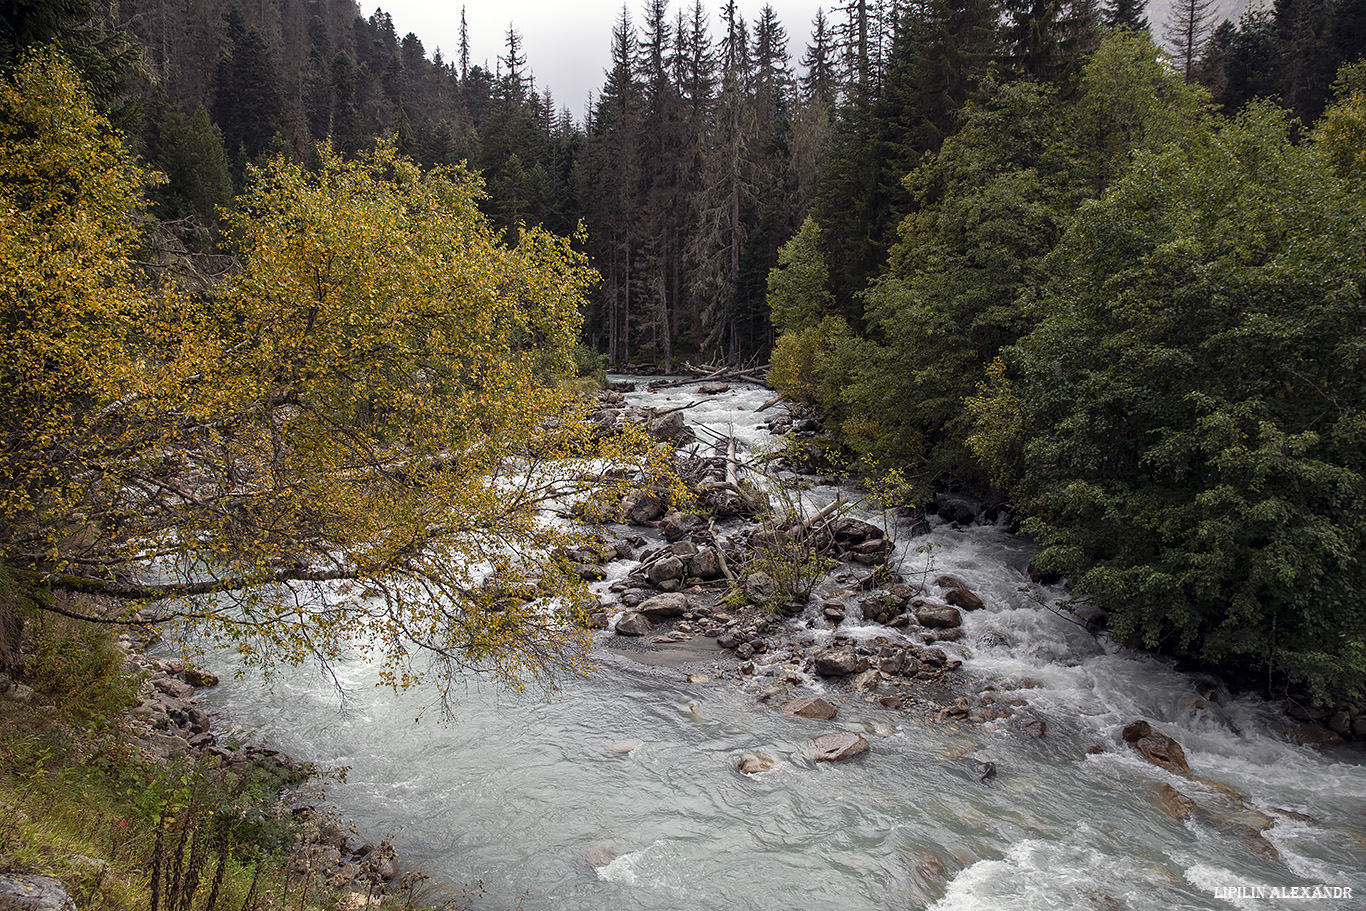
(248, 103)
(1189, 25)
(1131, 14)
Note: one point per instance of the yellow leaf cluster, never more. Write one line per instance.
(350, 444)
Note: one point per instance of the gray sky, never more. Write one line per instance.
(568, 44)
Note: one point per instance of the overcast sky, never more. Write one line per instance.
(568, 44)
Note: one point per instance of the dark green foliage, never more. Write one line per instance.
(1130, 14)
(989, 206)
(1244, 62)
(248, 103)
(1289, 52)
(101, 55)
(190, 152)
(1196, 406)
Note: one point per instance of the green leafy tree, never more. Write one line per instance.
(990, 206)
(799, 286)
(1194, 406)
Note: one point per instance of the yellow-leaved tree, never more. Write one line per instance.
(350, 443)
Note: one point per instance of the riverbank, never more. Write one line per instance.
(118, 791)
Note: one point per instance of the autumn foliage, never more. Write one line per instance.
(348, 443)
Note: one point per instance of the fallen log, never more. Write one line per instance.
(801, 528)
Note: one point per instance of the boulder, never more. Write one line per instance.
(848, 530)
(20, 693)
(1136, 731)
(33, 893)
(683, 549)
(959, 594)
(760, 587)
(664, 607)
(589, 572)
(176, 689)
(1315, 735)
(957, 511)
(632, 624)
(1035, 727)
(196, 677)
(730, 638)
(1162, 751)
(835, 662)
(639, 508)
(757, 763)
(938, 616)
(1041, 576)
(1176, 803)
(871, 553)
(838, 746)
(712, 388)
(90, 869)
(669, 569)
(705, 564)
(868, 681)
(816, 708)
(677, 527)
(671, 428)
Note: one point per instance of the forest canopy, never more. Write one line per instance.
(1022, 249)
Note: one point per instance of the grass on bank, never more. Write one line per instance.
(80, 803)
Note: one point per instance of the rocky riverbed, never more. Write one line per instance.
(799, 699)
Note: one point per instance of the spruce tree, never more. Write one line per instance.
(248, 103)
(1189, 25)
(1131, 14)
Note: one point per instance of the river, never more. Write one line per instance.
(620, 790)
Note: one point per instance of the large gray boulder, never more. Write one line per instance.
(938, 616)
(705, 564)
(838, 746)
(632, 624)
(671, 428)
(664, 607)
(669, 569)
(760, 587)
(24, 892)
(835, 662)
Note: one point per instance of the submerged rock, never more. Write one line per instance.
(1177, 805)
(756, 763)
(838, 746)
